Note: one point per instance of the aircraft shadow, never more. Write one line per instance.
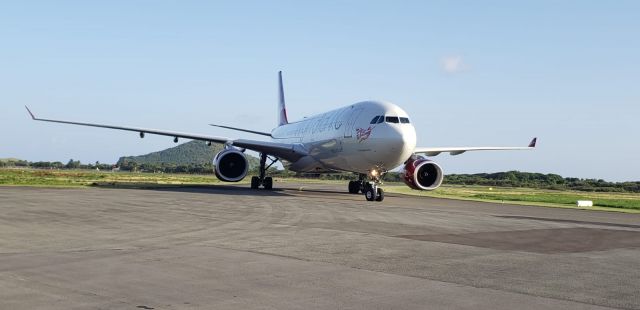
(198, 188)
(287, 189)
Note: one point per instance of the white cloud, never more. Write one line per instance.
(453, 64)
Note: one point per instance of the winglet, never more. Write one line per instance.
(32, 116)
(533, 142)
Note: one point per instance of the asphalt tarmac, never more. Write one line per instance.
(306, 247)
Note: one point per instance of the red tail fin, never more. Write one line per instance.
(282, 109)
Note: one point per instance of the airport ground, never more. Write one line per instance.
(228, 247)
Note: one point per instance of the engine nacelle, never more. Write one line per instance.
(231, 165)
(422, 174)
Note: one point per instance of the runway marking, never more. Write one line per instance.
(545, 241)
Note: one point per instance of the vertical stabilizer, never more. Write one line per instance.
(282, 109)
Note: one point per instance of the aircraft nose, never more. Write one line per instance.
(407, 134)
(400, 143)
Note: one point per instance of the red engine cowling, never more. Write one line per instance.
(422, 174)
(231, 165)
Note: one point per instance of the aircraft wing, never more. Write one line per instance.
(290, 152)
(286, 151)
(434, 151)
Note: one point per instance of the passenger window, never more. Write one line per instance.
(392, 119)
(404, 120)
(374, 120)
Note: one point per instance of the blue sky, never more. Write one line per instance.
(470, 73)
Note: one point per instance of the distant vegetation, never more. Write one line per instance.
(190, 153)
(71, 164)
(542, 181)
(194, 157)
(191, 157)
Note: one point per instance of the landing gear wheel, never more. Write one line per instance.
(268, 183)
(380, 196)
(255, 182)
(354, 187)
(370, 192)
(265, 181)
(360, 184)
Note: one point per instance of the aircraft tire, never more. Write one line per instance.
(268, 183)
(353, 187)
(255, 182)
(369, 193)
(380, 196)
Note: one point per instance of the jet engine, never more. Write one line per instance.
(422, 174)
(230, 165)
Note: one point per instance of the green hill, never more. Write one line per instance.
(190, 153)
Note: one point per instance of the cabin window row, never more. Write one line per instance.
(389, 119)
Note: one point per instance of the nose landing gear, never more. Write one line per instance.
(370, 189)
(373, 192)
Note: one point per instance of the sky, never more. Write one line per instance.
(469, 73)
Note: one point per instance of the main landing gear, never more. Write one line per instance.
(266, 182)
(370, 189)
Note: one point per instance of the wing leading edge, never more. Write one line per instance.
(290, 152)
(434, 151)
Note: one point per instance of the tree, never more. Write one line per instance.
(72, 164)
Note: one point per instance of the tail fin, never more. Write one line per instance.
(282, 109)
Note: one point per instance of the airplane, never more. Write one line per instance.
(368, 138)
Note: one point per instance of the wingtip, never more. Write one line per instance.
(533, 142)
(32, 116)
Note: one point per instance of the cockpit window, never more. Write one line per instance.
(381, 119)
(392, 119)
(375, 119)
(404, 120)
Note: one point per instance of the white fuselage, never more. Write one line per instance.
(345, 139)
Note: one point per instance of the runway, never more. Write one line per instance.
(228, 247)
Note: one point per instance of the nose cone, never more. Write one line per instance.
(406, 134)
(396, 143)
